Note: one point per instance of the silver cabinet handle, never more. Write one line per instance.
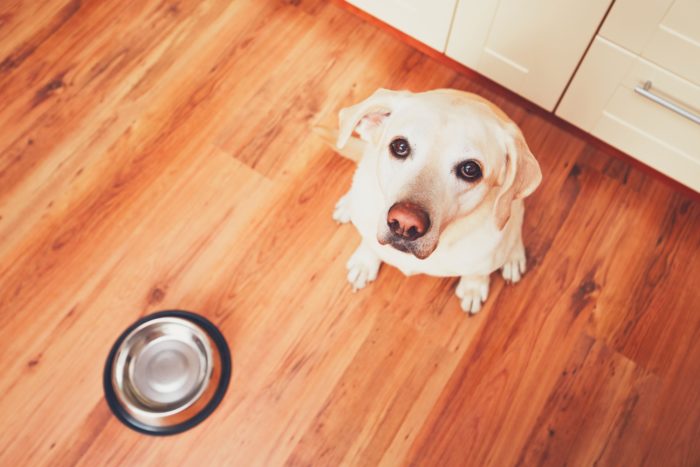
(645, 91)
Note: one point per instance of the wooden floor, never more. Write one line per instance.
(158, 154)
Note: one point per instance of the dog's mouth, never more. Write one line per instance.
(418, 249)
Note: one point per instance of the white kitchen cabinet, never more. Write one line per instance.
(652, 44)
(531, 47)
(605, 100)
(665, 32)
(426, 21)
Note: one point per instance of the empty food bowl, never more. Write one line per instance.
(167, 372)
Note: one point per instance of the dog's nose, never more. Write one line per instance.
(408, 220)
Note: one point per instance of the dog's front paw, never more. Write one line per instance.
(514, 268)
(363, 267)
(472, 292)
(341, 213)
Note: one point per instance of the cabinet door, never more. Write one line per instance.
(664, 32)
(427, 21)
(529, 46)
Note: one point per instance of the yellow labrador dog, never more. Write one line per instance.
(438, 189)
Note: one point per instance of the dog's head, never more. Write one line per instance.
(440, 156)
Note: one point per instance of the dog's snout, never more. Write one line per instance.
(407, 220)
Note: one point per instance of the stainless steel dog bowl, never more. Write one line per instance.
(167, 372)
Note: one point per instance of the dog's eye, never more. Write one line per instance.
(400, 148)
(469, 170)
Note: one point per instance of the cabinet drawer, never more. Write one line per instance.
(602, 100)
(429, 22)
(665, 32)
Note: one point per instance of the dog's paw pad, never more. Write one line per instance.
(515, 267)
(472, 292)
(362, 269)
(341, 213)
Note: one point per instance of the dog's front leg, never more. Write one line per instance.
(515, 265)
(363, 266)
(341, 213)
(472, 292)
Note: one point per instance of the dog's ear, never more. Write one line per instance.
(520, 176)
(366, 117)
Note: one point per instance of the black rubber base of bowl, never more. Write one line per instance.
(224, 351)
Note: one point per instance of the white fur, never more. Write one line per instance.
(471, 245)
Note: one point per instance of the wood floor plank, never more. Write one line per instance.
(161, 155)
(49, 160)
(610, 395)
